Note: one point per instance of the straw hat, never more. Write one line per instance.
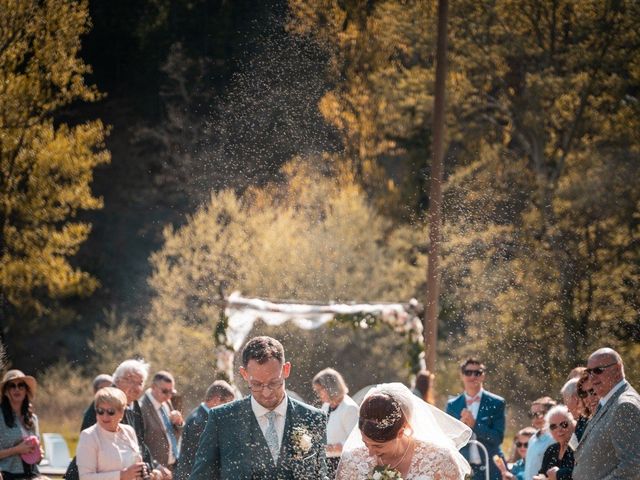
(18, 375)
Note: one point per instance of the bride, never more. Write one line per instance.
(399, 433)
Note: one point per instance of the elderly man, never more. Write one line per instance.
(610, 445)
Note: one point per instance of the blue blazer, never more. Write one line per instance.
(489, 428)
(232, 446)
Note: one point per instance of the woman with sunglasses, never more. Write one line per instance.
(558, 460)
(589, 401)
(109, 450)
(520, 444)
(19, 442)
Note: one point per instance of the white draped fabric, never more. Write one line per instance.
(242, 313)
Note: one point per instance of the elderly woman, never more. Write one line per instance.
(109, 450)
(558, 460)
(342, 410)
(19, 443)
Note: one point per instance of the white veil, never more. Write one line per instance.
(429, 424)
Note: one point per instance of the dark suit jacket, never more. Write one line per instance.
(610, 446)
(232, 446)
(489, 428)
(193, 428)
(154, 433)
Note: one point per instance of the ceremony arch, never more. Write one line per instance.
(241, 313)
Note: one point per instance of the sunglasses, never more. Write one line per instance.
(592, 392)
(472, 373)
(17, 386)
(522, 444)
(563, 425)
(599, 370)
(168, 391)
(536, 414)
(109, 411)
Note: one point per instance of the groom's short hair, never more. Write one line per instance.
(262, 349)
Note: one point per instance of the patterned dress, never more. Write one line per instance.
(429, 462)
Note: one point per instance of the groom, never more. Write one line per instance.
(267, 435)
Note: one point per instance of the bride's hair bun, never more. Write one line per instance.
(381, 417)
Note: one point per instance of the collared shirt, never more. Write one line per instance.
(281, 414)
(475, 406)
(157, 406)
(206, 409)
(538, 444)
(603, 401)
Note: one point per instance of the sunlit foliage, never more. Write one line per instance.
(46, 167)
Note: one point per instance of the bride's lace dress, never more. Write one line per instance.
(429, 462)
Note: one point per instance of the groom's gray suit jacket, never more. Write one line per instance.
(232, 446)
(610, 446)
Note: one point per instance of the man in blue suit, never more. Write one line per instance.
(218, 393)
(266, 436)
(484, 413)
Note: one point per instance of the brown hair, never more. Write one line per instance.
(262, 349)
(219, 389)
(424, 381)
(471, 361)
(381, 417)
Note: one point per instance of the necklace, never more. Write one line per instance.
(401, 458)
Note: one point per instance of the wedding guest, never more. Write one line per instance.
(575, 405)
(109, 450)
(18, 427)
(162, 423)
(218, 393)
(517, 460)
(101, 381)
(610, 445)
(422, 385)
(484, 413)
(576, 372)
(558, 459)
(539, 441)
(588, 395)
(341, 409)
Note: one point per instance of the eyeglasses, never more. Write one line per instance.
(536, 414)
(109, 411)
(562, 425)
(17, 386)
(599, 370)
(522, 444)
(258, 387)
(472, 373)
(583, 393)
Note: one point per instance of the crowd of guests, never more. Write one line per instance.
(129, 433)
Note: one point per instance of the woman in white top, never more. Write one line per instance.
(342, 410)
(109, 450)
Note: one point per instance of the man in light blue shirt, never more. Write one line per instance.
(541, 440)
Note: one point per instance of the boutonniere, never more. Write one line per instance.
(301, 441)
(384, 472)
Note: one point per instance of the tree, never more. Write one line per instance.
(541, 214)
(46, 166)
(311, 237)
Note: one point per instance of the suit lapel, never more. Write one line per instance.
(602, 411)
(260, 456)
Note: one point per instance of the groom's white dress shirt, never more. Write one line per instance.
(281, 415)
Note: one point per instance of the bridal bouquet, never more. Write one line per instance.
(384, 472)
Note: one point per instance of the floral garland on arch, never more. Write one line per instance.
(241, 313)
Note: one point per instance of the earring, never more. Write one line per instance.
(408, 431)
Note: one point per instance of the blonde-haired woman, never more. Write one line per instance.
(109, 450)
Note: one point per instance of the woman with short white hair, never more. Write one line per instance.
(558, 460)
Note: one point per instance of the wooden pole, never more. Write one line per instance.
(435, 191)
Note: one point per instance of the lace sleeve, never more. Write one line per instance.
(354, 465)
(436, 462)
